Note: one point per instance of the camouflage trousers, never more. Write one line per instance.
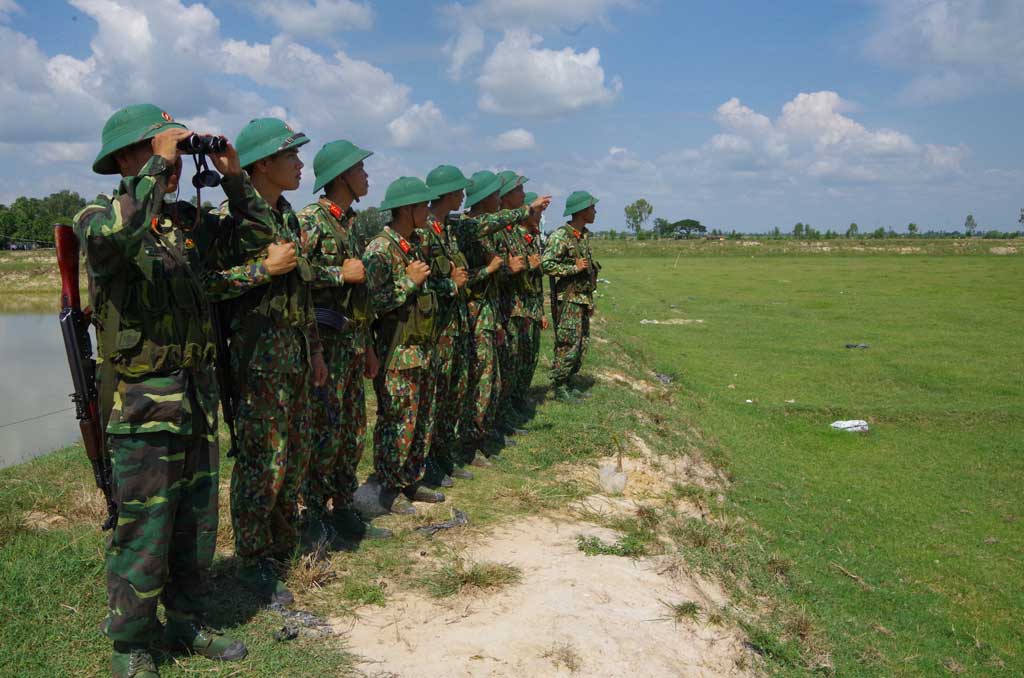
(451, 372)
(513, 358)
(339, 426)
(482, 389)
(529, 354)
(401, 436)
(165, 486)
(273, 455)
(572, 336)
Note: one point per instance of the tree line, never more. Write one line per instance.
(639, 212)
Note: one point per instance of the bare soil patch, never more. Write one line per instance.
(571, 614)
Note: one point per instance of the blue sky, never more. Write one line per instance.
(744, 115)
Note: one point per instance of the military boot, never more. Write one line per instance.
(349, 524)
(462, 474)
(423, 494)
(402, 506)
(317, 528)
(191, 636)
(132, 663)
(261, 575)
(564, 394)
(481, 461)
(582, 395)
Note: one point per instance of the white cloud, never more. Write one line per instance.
(517, 139)
(462, 47)
(8, 7)
(522, 78)
(422, 126)
(540, 16)
(335, 92)
(317, 19)
(954, 47)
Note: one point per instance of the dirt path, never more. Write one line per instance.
(571, 614)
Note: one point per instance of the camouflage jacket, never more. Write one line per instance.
(564, 247)
(534, 284)
(474, 238)
(443, 250)
(152, 270)
(328, 238)
(272, 322)
(395, 298)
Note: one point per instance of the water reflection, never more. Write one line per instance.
(34, 385)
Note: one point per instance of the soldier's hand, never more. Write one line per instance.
(517, 264)
(534, 261)
(319, 376)
(372, 365)
(582, 264)
(541, 203)
(165, 144)
(352, 271)
(544, 324)
(459, 276)
(227, 162)
(418, 271)
(494, 264)
(280, 258)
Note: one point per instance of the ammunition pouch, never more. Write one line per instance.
(331, 319)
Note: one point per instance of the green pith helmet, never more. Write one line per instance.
(446, 178)
(482, 184)
(578, 200)
(334, 158)
(509, 180)
(529, 198)
(406, 191)
(263, 137)
(128, 126)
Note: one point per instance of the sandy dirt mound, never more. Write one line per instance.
(571, 614)
(638, 385)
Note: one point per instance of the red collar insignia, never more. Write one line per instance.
(332, 208)
(404, 245)
(528, 238)
(509, 228)
(577, 234)
(436, 225)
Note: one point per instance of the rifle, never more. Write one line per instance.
(221, 331)
(74, 327)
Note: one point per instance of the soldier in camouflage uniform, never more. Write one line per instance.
(152, 266)
(475, 235)
(447, 457)
(513, 294)
(570, 263)
(534, 301)
(406, 304)
(275, 355)
(342, 303)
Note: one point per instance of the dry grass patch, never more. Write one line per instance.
(564, 655)
(462, 575)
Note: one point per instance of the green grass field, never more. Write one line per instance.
(895, 552)
(926, 508)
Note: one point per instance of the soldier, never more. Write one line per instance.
(334, 250)
(275, 354)
(150, 265)
(570, 263)
(406, 306)
(512, 293)
(447, 457)
(534, 301)
(484, 219)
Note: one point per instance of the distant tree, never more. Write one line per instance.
(912, 229)
(878, 233)
(637, 214)
(851, 232)
(663, 227)
(688, 226)
(776, 232)
(970, 225)
(1021, 219)
(370, 222)
(613, 234)
(798, 230)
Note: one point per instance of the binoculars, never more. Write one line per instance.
(201, 144)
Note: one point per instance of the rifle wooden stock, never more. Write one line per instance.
(74, 325)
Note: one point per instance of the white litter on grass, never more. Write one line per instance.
(851, 425)
(750, 401)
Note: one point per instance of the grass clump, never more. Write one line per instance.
(564, 654)
(686, 610)
(629, 546)
(462, 574)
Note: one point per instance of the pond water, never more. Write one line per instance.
(34, 386)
